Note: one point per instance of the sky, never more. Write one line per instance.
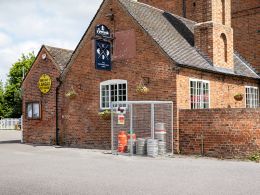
(27, 24)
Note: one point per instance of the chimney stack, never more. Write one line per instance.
(214, 35)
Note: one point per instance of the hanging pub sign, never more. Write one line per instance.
(102, 30)
(103, 55)
(44, 83)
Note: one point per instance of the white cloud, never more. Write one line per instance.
(12, 53)
(26, 25)
(4, 39)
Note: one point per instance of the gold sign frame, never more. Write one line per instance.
(45, 83)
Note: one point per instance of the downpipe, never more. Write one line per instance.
(57, 112)
(202, 144)
(184, 8)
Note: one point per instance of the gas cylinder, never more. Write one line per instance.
(122, 141)
(132, 135)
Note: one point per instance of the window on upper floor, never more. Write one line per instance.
(199, 94)
(252, 97)
(112, 91)
(33, 110)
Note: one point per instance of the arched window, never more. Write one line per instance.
(112, 91)
(223, 10)
(223, 48)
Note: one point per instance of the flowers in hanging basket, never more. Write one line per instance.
(239, 97)
(142, 89)
(105, 115)
(71, 93)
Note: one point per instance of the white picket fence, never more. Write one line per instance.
(10, 124)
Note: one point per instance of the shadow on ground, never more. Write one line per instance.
(10, 142)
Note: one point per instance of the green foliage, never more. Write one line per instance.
(1, 99)
(12, 92)
(106, 114)
(255, 157)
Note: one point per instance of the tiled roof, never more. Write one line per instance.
(175, 35)
(61, 56)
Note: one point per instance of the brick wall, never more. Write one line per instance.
(40, 131)
(82, 127)
(214, 35)
(222, 88)
(215, 41)
(245, 21)
(79, 122)
(245, 17)
(227, 133)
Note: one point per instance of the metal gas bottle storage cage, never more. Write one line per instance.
(142, 128)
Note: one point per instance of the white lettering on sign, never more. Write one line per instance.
(102, 30)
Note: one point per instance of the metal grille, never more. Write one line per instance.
(138, 121)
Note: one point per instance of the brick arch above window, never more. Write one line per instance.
(113, 81)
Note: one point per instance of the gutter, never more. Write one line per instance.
(216, 72)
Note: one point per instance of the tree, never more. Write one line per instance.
(12, 92)
(1, 99)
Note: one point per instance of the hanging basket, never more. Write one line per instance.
(105, 115)
(239, 97)
(71, 93)
(142, 89)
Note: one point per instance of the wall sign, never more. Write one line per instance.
(102, 30)
(44, 83)
(121, 119)
(103, 55)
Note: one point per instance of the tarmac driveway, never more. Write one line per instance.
(10, 136)
(26, 169)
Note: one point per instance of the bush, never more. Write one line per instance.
(255, 157)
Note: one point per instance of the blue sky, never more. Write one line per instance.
(27, 24)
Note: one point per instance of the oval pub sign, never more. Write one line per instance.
(44, 83)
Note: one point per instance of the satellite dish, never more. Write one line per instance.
(44, 56)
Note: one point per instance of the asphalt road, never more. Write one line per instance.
(26, 169)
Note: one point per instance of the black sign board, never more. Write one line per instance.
(103, 55)
(102, 30)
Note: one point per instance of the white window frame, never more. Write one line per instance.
(33, 113)
(109, 83)
(198, 80)
(253, 103)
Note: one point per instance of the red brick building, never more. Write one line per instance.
(191, 64)
(245, 17)
(39, 109)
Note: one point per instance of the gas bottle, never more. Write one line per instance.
(122, 141)
(129, 135)
(133, 136)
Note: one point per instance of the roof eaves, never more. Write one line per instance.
(247, 64)
(32, 65)
(52, 58)
(155, 41)
(61, 53)
(208, 60)
(213, 71)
